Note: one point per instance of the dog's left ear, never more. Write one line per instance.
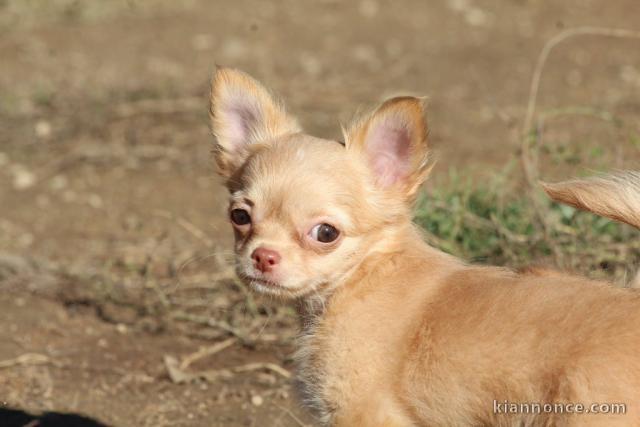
(393, 140)
(243, 112)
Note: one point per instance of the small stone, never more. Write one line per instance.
(25, 240)
(23, 178)
(630, 75)
(266, 379)
(95, 201)
(257, 400)
(364, 52)
(368, 8)
(43, 129)
(234, 49)
(476, 17)
(459, 5)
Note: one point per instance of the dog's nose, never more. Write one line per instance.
(265, 259)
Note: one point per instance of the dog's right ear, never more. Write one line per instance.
(243, 112)
(614, 196)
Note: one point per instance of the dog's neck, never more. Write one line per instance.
(403, 241)
(327, 329)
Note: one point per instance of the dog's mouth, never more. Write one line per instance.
(261, 284)
(269, 287)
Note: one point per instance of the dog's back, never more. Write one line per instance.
(524, 339)
(587, 353)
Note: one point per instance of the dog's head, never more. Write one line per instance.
(305, 210)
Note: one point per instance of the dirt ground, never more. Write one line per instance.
(117, 306)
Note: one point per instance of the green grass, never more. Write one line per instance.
(495, 224)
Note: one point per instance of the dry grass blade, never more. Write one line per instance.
(179, 375)
(206, 351)
(188, 226)
(291, 415)
(24, 360)
(260, 365)
(527, 161)
(211, 322)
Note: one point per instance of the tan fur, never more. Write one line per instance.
(614, 196)
(413, 110)
(273, 120)
(396, 333)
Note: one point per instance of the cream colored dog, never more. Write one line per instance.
(394, 332)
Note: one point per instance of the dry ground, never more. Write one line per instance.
(114, 245)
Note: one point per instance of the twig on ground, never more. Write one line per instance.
(188, 226)
(546, 50)
(262, 365)
(179, 375)
(25, 360)
(528, 160)
(291, 415)
(534, 88)
(206, 351)
(244, 337)
(209, 321)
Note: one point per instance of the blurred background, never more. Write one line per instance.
(117, 299)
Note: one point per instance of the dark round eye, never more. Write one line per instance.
(325, 233)
(240, 217)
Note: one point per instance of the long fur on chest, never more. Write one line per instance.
(310, 365)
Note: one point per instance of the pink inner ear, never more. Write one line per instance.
(241, 118)
(387, 145)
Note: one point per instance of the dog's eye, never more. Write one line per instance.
(325, 233)
(240, 217)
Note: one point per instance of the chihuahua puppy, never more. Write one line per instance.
(394, 332)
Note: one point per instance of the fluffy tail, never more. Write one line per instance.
(614, 196)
